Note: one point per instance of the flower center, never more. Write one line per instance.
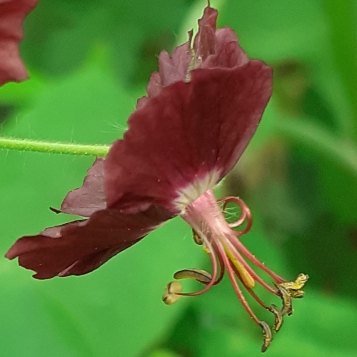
(227, 253)
(194, 194)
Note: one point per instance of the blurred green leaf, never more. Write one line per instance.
(163, 353)
(342, 22)
(277, 30)
(320, 326)
(317, 138)
(60, 35)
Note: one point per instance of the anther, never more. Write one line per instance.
(287, 301)
(297, 294)
(278, 317)
(291, 289)
(246, 278)
(172, 293)
(267, 335)
(196, 274)
(296, 285)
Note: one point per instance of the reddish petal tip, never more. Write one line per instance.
(12, 14)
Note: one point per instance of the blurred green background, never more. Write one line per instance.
(89, 61)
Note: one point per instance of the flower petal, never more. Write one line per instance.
(79, 247)
(217, 48)
(174, 68)
(171, 69)
(187, 132)
(89, 198)
(205, 41)
(12, 14)
(228, 53)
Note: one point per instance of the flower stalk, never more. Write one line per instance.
(53, 147)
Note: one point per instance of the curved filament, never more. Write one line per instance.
(245, 216)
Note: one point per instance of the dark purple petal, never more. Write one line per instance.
(174, 68)
(202, 108)
(205, 41)
(197, 119)
(212, 48)
(89, 198)
(12, 14)
(171, 69)
(189, 130)
(153, 89)
(79, 247)
(228, 53)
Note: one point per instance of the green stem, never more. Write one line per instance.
(53, 147)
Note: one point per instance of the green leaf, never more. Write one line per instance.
(61, 35)
(317, 138)
(320, 326)
(278, 30)
(163, 353)
(342, 19)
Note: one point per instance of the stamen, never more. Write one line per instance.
(257, 298)
(196, 274)
(198, 240)
(267, 335)
(245, 214)
(241, 248)
(172, 293)
(247, 279)
(296, 285)
(221, 274)
(231, 243)
(291, 289)
(211, 283)
(222, 244)
(273, 308)
(236, 288)
(287, 301)
(278, 317)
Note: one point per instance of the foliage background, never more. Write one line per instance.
(89, 61)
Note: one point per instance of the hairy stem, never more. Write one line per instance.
(53, 147)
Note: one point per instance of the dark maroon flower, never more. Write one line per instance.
(12, 14)
(201, 110)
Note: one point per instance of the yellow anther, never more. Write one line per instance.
(291, 289)
(298, 284)
(196, 274)
(172, 292)
(267, 335)
(247, 279)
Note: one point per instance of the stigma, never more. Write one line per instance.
(221, 241)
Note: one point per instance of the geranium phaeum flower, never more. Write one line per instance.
(201, 110)
(12, 14)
